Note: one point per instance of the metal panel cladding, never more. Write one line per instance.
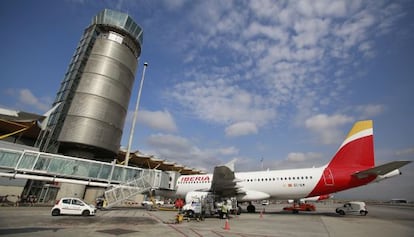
(99, 106)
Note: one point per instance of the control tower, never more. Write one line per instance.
(94, 95)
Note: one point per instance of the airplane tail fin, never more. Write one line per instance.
(357, 150)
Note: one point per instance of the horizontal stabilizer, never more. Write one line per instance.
(382, 169)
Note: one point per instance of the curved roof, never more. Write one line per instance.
(151, 162)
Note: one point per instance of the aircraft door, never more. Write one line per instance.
(328, 177)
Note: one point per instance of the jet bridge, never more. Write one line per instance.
(122, 182)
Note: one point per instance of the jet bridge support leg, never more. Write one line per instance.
(71, 190)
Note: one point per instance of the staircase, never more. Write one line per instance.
(121, 192)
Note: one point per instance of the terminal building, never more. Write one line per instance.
(75, 150)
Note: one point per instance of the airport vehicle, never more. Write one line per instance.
(204, 204)
(300, 207)
(150, 203)
(358, 208)
(265, 202)
(72, 206)
(352, 166)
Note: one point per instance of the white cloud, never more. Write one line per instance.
(271, 32)
(29, 102)
(241, 129)
(264, 9)
(303, 157)
(170, 142)
(159, 120)
(228, 151)
(220, 102)
(291, 52)
(327, 127)
(370, 110)
(322, 8)
(183, 151)
(310, 32)
(405, 152)
(295, 160)
(174, 5)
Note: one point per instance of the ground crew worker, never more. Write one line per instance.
(179, 203)
(224, 211)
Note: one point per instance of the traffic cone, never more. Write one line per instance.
(227, 225)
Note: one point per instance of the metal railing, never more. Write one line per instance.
(124, 191)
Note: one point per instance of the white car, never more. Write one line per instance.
(149, 203)
(358, 208)
(265, 202)
(72, 206)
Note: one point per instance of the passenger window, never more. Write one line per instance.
(77, 202)
(66, 201)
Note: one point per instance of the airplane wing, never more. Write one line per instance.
(382, 169)
(224, 182)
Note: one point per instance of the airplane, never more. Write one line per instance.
(352, 166)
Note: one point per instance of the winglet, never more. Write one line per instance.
(230, 164)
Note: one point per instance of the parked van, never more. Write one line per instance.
(357, 208)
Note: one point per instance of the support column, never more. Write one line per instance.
(71, 190)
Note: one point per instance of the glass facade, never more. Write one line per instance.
(121, 20)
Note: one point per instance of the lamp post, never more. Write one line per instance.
(131, 135)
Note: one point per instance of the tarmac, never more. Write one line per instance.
(269, 220)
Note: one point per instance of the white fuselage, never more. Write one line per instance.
(277, 184)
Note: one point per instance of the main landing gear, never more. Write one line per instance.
(251, 208)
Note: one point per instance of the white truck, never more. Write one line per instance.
(205, 204)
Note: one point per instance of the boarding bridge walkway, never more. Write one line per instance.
(119, 193)
(121, 182)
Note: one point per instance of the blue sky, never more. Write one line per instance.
(281, 81)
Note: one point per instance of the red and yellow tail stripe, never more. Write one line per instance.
(359, 130)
